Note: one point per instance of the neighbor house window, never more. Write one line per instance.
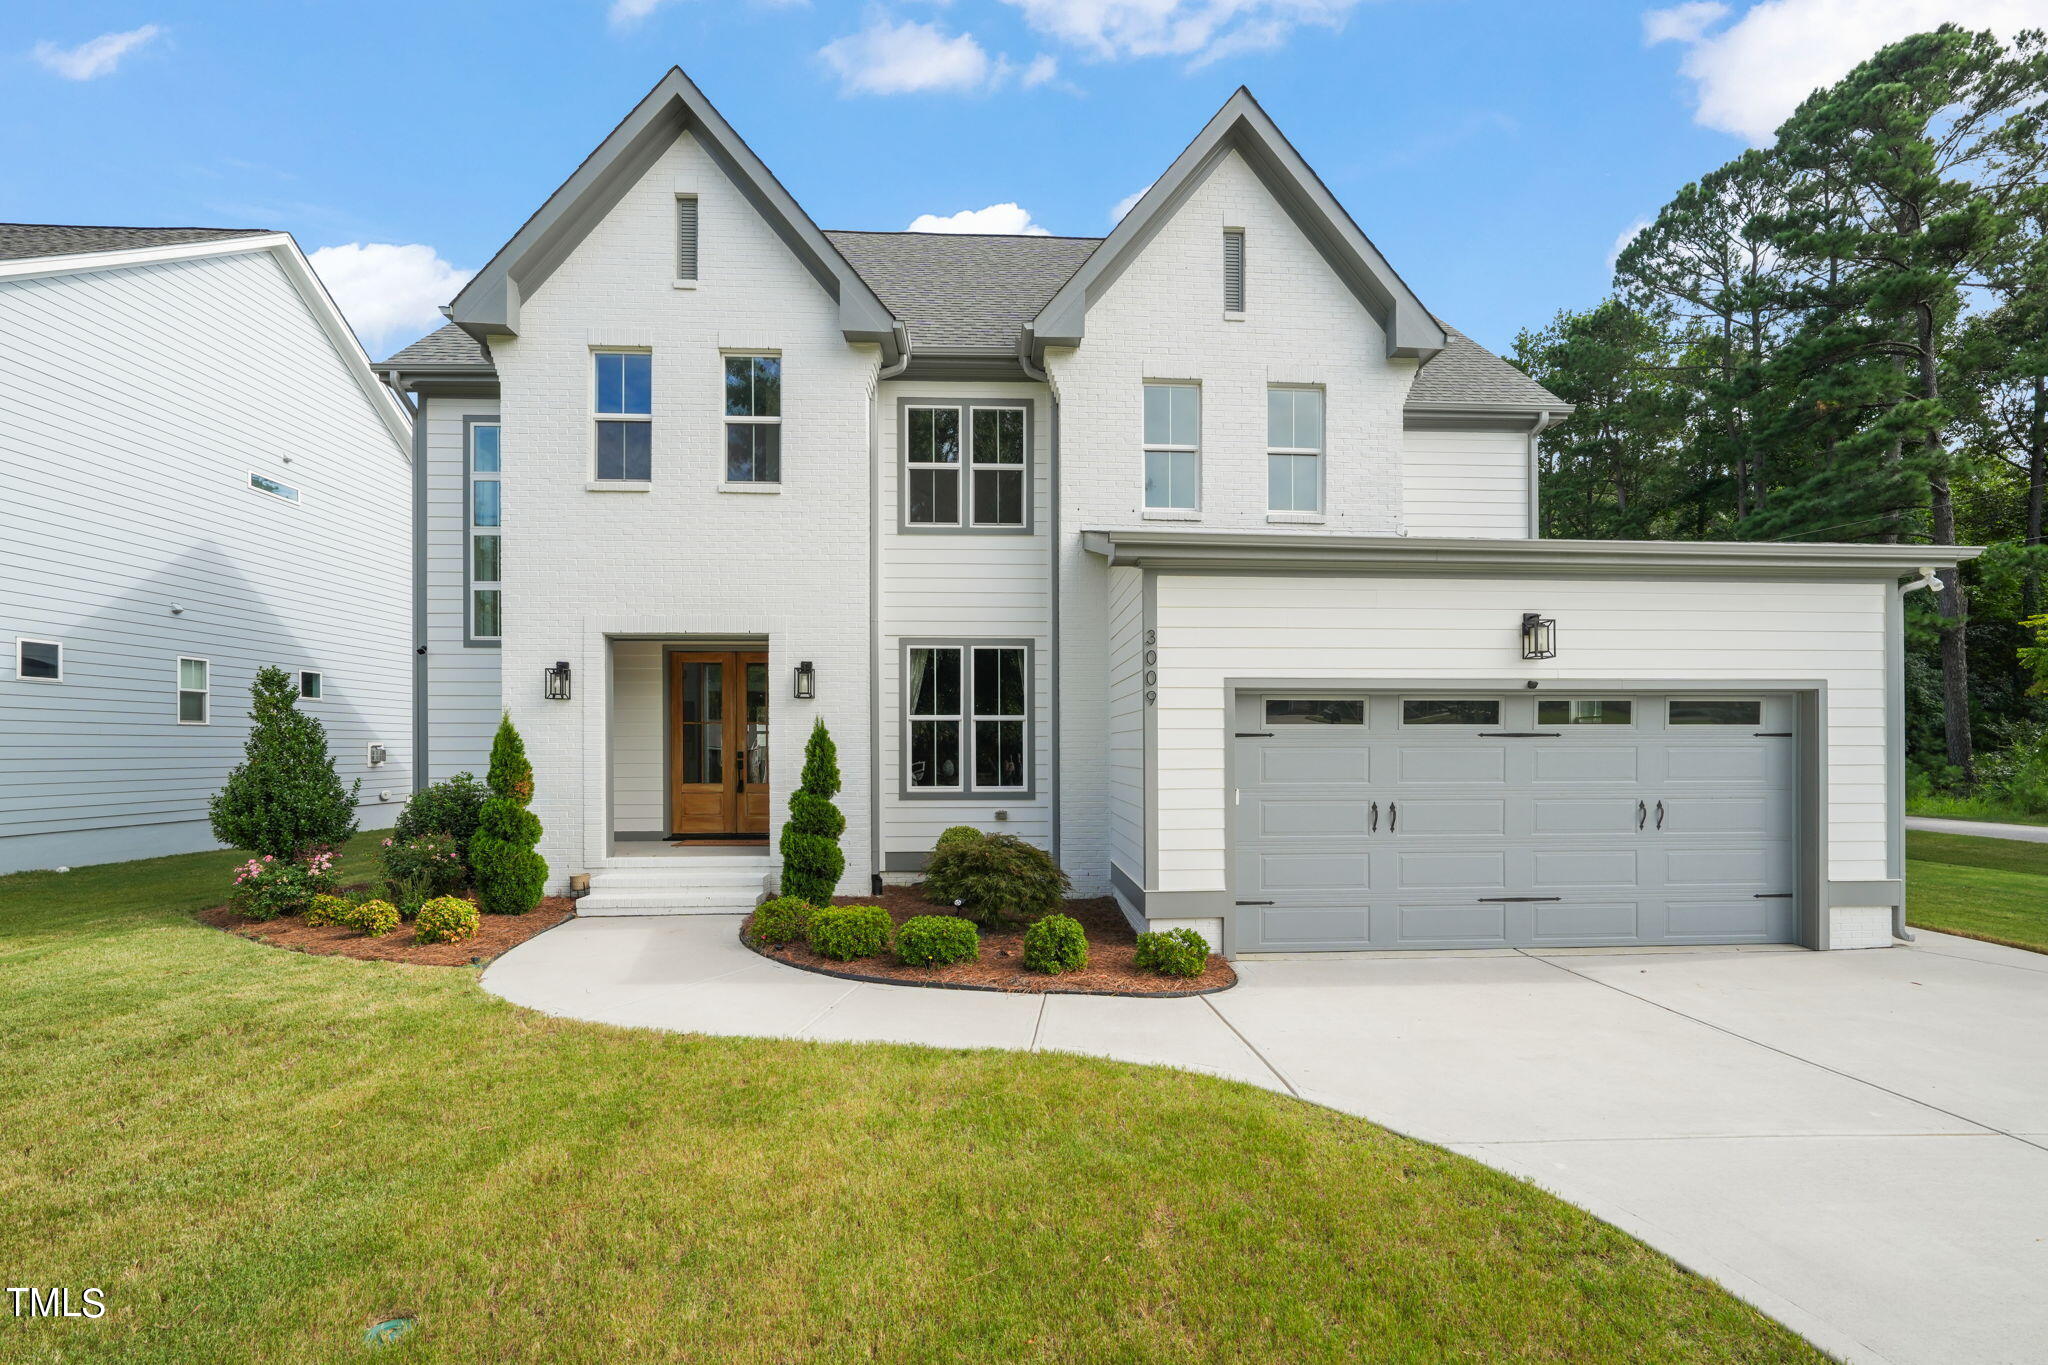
(625, 416)
(967, 718)
(194, 685)
(38, 660)
(1294, 450)
(985, 444)
(309, 686)
(263, 483)
(753, 419)
(1233, 270)
(1173, 445)
(686, 236)
(486, 562)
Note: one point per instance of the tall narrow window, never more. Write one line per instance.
(967, 723)
(625, 415)
(753, 419)
(686, 236)
(1233, 270)
(194, 688)
(1294, 450)
(987, 445)
(999, 701)
(996, 461)
(932, 466)
(1173, 445)
(934, 720)
(486, 533)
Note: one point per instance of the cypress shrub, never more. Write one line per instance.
(510, 873)
(285, 798)
(811, 860)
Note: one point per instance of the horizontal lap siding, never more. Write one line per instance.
(638, 728)
(1213, 628)
(136, 403)
(970, 586)
(1465, 483)
(462, 680)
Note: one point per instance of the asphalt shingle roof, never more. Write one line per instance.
(960, 291)
(444, 348)
(1465, 374)
(20, 241)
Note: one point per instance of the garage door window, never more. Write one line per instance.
(1716, 712)
(1450, 711)
(1585, 711)
(1316, 711)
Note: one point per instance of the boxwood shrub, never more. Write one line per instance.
(781, 920)
(1172, 952)
(1055, 944)
(995, 877)
(444, 919)
(936, 941)
(372, 919)
(845, 932)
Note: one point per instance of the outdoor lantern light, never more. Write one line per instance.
(558, 681)
(1539, 636)
(806, 681)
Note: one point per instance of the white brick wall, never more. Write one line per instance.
(683, 559)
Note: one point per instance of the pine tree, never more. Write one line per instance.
(510, 873)
(285, 799)
(811, 859)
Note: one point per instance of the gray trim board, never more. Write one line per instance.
(1127, 886)
(1052, 637)
(1515, 419)
(1889, 891)
(966, 407)
(421, 694)
(967, 791)
(905, 862)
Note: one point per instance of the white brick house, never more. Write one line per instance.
(1200, 554)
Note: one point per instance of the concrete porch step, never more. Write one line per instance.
(675, 901)
(678, 886)
(667, 872)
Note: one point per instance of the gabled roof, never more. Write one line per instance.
(445, 348)
(1465, 376)
(1242, 126)
(21, 241)
(962, 292)
(91, 249)
(489, 303)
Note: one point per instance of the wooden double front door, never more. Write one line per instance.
(718, 745)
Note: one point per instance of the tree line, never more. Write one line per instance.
(1844, 337)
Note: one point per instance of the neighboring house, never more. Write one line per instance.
(1199, 555)
(199, 476)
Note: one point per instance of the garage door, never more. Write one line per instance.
(1520, 820)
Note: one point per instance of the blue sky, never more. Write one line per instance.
(1494, 149)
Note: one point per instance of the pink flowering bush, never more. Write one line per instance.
(270, 886)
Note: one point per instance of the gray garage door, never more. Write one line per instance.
(1524, 820)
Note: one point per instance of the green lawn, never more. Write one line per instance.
(258, 1153)
(1995, 889)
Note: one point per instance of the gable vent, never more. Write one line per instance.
(1233, 270)
(686, 236)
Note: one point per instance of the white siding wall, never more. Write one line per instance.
(685, 558)
(639, 738)
(978, 586)
(1127, 722)
(1162, 318)
(133, 405)
(462, 679)
(1466, 483)
(1647, 632)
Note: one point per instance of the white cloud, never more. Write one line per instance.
(1628, 234)
(1750, 74)
(1125, 205)
(915, 58)
(1202, 31)
(1010, 220)
(96, 56)
(385, 291)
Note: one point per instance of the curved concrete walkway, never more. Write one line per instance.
(1981, 829)
(1855, 1142)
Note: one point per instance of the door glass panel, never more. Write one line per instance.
(1320, 711)
(1585, 711)
(703, 722)
(755, 771)
(1717, 712)
(1450, 711)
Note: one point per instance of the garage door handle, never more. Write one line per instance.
(1517, 900)
(1374, 826)
(1253, 902)
(1642, 814)
(1773, 896)
(1393, 817)
(1660, 815)
(1520, 734)
(1253, 734)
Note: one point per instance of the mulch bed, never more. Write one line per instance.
(495, 935)
(1110, 971)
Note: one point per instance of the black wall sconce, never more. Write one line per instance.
(557, 679)
(806, 681)
(1539, 636)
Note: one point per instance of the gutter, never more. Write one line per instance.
(1926, 580)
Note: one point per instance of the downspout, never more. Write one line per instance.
(875, 758)
(421, 756)
(1929, 581)
(1542, 424)
(1052, 536)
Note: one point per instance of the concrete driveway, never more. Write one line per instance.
(1855, 1142)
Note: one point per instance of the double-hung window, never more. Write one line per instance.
(966, 722)
(624, 410)
(195, 686)
(753, 419)
(486, 533)
(1173, 446)
(982, 444)
(1294, 450)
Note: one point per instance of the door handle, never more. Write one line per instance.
(1642, 815)
(1373, 826)
(1515, 900)
(1660, 815)
(1393, 817)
